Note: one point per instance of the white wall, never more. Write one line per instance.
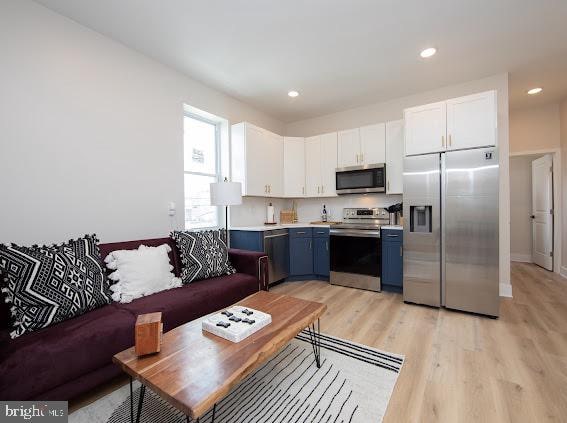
(393, 110)
(521, 207)
(563, 134)
(91, 135)
(534, 128)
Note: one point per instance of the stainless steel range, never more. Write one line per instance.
(356, 248)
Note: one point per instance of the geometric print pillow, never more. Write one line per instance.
(204, 254)
(50, 284)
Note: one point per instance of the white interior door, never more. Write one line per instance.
(542, 212)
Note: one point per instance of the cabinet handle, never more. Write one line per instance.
(310, 244)
(318, 189)
(388, 186)
(322, 189)
(450, 140)
(362, 158)
(443, 141)
(401, 255)
(301, 232)
(392, 236)
(327, 245)
(357, 158)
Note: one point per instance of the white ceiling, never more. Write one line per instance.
(340, 54)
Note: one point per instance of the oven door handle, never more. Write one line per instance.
(358, 233)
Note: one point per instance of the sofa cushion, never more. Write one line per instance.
(106, 249)
(50, 284)
(181, 305)
(204, 254)
(41, 360)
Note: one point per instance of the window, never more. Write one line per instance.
(202, 166)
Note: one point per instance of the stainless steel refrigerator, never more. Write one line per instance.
(451, 230)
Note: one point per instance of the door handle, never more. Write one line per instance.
(532, 217)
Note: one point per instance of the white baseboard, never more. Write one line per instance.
(563, 271)
(506, 290)
(523, 258)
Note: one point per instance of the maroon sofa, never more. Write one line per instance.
(70, 358)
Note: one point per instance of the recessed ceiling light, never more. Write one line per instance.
(293, 94)
(428, 52)
(535, 91)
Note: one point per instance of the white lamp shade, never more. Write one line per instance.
(226, 193)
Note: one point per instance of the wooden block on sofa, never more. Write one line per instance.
(148, 333)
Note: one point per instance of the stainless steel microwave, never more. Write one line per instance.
(361, 179)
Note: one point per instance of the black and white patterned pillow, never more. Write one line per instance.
(204, 254)
(49, 284)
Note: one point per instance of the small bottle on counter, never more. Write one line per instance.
(324, 214)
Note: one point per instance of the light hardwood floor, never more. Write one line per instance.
(461, 367)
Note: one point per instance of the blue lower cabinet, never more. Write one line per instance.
(321, 264)
(392, 261)
(301, 256)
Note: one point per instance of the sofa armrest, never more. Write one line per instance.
(252, 263)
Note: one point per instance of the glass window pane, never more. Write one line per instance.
(198, 211)
(199, 146)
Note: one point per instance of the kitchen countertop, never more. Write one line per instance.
(260, 228)
(278, 226)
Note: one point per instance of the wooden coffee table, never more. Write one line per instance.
(195, 369)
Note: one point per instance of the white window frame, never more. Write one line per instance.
(217, 174)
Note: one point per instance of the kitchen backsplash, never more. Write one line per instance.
(252, 211)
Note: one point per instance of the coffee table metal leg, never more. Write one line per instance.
(214, 411)
(314, 336)
(140, 403)
(131, 402)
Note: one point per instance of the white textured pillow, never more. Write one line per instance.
(140, 272)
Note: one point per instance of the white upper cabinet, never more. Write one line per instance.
(471, 121)
(394, 157)
(455, 124)
(294, 167)
(274, 165)
(320, 165)
(328, 164)
(313, 166)
(257, 160)
(373, 144)
(425, 129)
(362, 146)
(348, 148)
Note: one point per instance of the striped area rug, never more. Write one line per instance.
(354, 384)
